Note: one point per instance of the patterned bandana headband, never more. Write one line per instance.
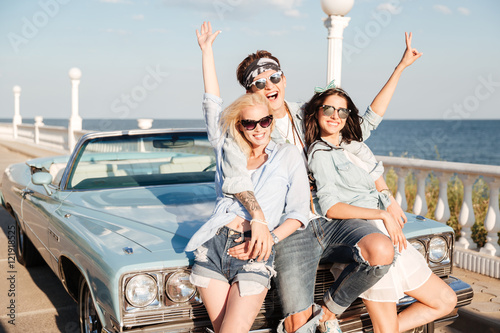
(257, 67)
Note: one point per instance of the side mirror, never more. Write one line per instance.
(43, 179)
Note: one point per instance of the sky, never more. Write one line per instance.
(140, 58)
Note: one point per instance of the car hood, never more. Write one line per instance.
(156, 218)
(420, 226)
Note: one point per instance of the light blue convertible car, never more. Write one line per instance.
(112, 221)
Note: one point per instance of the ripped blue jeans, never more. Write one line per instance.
(213, 262)
(329, 241)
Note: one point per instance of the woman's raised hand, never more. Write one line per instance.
(410, 54)
(205, 35)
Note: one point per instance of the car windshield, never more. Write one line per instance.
(143, 160)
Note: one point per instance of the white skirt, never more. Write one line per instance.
(409, 272)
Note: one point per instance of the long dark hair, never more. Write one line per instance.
(350, 132)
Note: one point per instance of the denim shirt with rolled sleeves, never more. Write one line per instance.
(340, 180)
(235, 174)
(280, 185)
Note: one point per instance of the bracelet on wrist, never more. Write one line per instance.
(387, 192)
(275, 238)
(258, 221)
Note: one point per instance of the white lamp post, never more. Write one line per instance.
(336, 23)
(75, 122)
(17, 120)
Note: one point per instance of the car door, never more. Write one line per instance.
(37, 208)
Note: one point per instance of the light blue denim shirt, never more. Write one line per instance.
(280, 185)
(363, 152)
(236, 178)
(339, 180)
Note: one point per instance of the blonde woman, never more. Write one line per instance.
(232, 289)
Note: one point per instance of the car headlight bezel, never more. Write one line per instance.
(148, 282)
(176, 279)
(438, 249)
(419, 246)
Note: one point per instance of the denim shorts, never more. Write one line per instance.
(213, 262)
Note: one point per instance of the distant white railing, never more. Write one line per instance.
(51, 137)
(488, 262)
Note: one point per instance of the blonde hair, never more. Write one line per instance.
(230, 118)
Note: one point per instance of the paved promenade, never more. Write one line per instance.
(42, 304)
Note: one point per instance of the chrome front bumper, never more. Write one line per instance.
(354, 319)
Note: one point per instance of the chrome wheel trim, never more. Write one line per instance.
(88, 315)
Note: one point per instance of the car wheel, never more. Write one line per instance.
(26, 253)
(89, 319)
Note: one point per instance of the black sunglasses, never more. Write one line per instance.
(329, 110)
(261, 83)
(250, 125)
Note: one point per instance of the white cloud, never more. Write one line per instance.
(463, 11)
(442, 9)
(288, 7)
(389, 7)
(292, 13)
(237, 9)
(138, 17)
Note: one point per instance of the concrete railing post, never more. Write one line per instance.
(466, 218)
(38, 123)
(442, 212)
(492, 220)
(401, 193)
(420, 205)
(17, 120)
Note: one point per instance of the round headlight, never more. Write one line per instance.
(438, 249)
(419, 247)
(141, 290)
(178, 287)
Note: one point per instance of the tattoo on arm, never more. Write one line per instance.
(248, 200)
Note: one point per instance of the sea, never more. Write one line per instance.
(467, 141)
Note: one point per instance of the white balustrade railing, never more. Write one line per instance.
(6, 131)
(489, 262)
(57, 138)
(51, 137)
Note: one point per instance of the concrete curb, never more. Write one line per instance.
(473, 321)
(31, 150)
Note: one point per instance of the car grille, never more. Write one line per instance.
(194, 314)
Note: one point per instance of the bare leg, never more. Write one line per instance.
(241, 311)
(297, 320)
(215, 298)
(435, 299)
(383, 316)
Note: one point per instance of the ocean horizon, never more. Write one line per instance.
(466, 141)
